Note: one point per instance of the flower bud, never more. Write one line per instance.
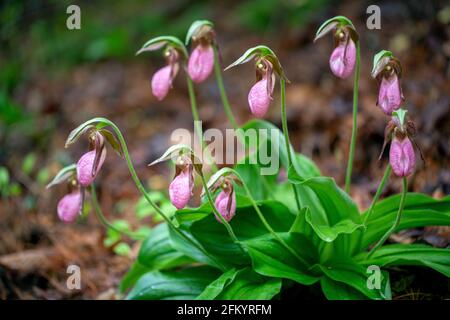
(343, 58)
(86, 169)
(69, 207)
(226, 204)
(402, 157)
(180, 189)
(201, 63)
(259, 97)
(162, 82)
(390, 94)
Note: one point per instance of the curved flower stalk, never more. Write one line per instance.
(388, 71)
(343, 60)
(173, 49)
(202, 35)
(186, 156)
(120, 146)
(260, 95)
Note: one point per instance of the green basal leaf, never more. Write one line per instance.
(272, 259)
(330, 24)
(248, 285)
(246, 225)
(353, 275)
(185, 284)
(157, 252)
(134, 273)
(335, 290)
(217, 286)
(420, 210)
(380, 60)
(63, 175)
(163, 41)
(196, 27)
(410, 254)
(180, 244)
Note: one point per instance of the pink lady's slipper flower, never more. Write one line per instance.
(401, 154)
(226, 204)
(69, 207)
(163, 78)
(343, 58)
(201, 63)
(180, 189)
(388, 70)
(261, 93)
(402, 157)
(90, 163)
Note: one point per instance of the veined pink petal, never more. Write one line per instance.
(180, 189)
(343, 58)
(85, 174)
(259, 98)
(402, 157)
(201, 63)
(222, 205)
(162, 82)
(390, 95)
(69, 207)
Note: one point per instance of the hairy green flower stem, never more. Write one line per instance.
(141, 188)
(197, 125)
(351, 154)
(286, 135)
(105, 222)
(397, 219)
(218, 215)
(383, 181)
(223, 95)
(264, 221)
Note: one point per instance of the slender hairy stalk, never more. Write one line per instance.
(286, 135)
(141, 188)
(351, 154)
(218, 215)
(223, 95)
(264, 221)
(397, 219)
(106, 223)
(383, 181)
(197, 124)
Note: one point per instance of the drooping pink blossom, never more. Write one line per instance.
(226, 204)
(162, 82)
(402, 157)
(86, 172)
(390, 94)
(180, 189)
(69, 207)
(260, 96)
(201, 63)
(343, 58)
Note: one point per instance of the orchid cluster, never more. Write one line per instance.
(304, 230)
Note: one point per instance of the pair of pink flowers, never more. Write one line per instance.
(200, 66)
(87, 168)
(181, 190)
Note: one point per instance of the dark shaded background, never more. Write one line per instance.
(53, 79)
